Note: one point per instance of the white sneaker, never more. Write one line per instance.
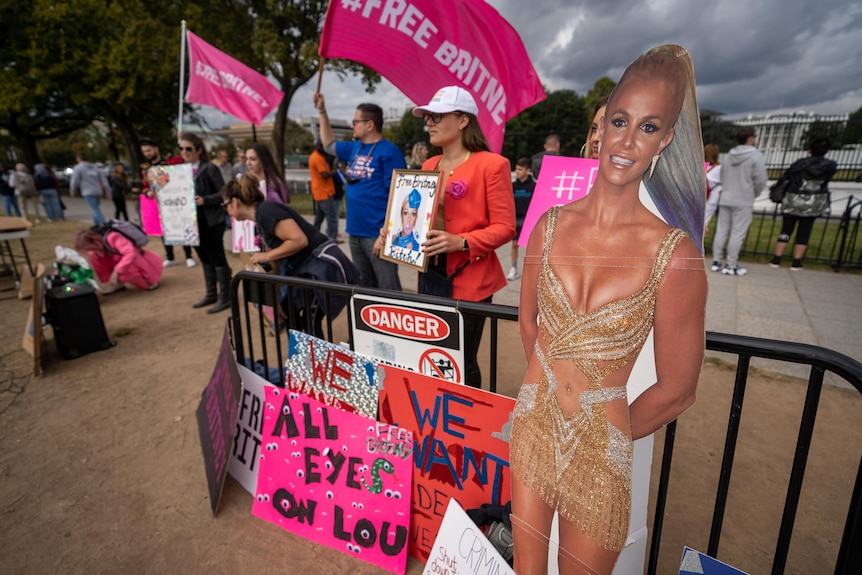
(513, 274)
(716, 266)
(168, 263)
(190, 262)
(733, 271)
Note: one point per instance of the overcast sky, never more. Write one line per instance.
(750, 56)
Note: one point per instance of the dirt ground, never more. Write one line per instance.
(101, 468)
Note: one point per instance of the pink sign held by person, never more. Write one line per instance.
(150, 219)
(422, 45)
(217, 80)
(561, 181)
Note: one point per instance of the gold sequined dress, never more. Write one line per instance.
(581, 465)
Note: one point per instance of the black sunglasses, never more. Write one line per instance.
(187, 148)
(435, 118)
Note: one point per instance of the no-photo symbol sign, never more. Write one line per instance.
(438, 363)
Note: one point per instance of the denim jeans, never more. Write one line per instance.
(10, 203)
(328, 209)
(93, 202)
(373, 272)
(53, 209)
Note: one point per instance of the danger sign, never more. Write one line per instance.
(438, 363)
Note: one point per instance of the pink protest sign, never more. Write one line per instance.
(561, 181)
(452, 42)
(335, 478)
(150, 220)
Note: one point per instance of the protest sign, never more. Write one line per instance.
(697, 562)
(336, 478)
(425, 338)
(561, 181)
(150, 220)
(467, 44)
(216, 417)
(243, 237)
(332, 374)
(461, 547)
(410, 212)
(175, 190)
(461, 448)
(249, 429)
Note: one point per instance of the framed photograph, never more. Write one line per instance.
(410, 214)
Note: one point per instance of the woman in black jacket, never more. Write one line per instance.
(211, 223)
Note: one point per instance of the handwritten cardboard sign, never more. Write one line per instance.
(249, 430)
(336, 478)
(461, 448)
(332, 374)
(462, 548)
(216, 417)
(175, 189)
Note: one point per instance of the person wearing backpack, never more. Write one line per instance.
(7, 191)
(117, 260)
(46, 184)
(807, 198)
(25, 188)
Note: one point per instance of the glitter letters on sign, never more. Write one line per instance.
(332, 374)
(336, 478)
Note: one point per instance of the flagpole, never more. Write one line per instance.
(320, 73)
(182, 76)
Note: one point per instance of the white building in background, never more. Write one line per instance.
(786, 131)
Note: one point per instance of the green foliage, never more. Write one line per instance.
(853, 130)
(410, 130)
(297, 140)
(601, 89)
(562, 113)
(717, 131)
(832, 131)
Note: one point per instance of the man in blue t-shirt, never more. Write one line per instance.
(370, 160)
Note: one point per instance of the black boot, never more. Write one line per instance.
(223, 301)
(210, 280)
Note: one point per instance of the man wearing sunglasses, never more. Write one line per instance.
(370, 160)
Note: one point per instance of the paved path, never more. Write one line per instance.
(816, 307)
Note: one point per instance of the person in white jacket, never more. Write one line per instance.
(743, 177)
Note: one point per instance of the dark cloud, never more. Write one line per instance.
(749, 55)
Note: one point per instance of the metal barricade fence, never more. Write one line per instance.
(251, 289)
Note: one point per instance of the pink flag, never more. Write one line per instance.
(217, 80)
(423, 45)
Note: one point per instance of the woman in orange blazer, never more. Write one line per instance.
(476, 214)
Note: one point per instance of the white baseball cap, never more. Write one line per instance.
(449, 99)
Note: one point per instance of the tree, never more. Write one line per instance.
(562, 113)
(601, 89)
(853, 130)
(832, 131)
(280, 38)
(410, 130)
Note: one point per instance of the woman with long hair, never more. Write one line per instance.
(117, 261)
(260, 162)
(418, 155)
(713, 182)
(294, 247)
(590, 149)
(475, 215)
(211, 224)
(601, 273)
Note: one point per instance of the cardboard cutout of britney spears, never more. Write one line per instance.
(572, 433)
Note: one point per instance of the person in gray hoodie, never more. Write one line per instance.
(92, 183)
(743, 177)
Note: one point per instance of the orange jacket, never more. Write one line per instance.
(321, 188)
(484, 216)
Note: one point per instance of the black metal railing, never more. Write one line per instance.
(835, 240)
(253, 289)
